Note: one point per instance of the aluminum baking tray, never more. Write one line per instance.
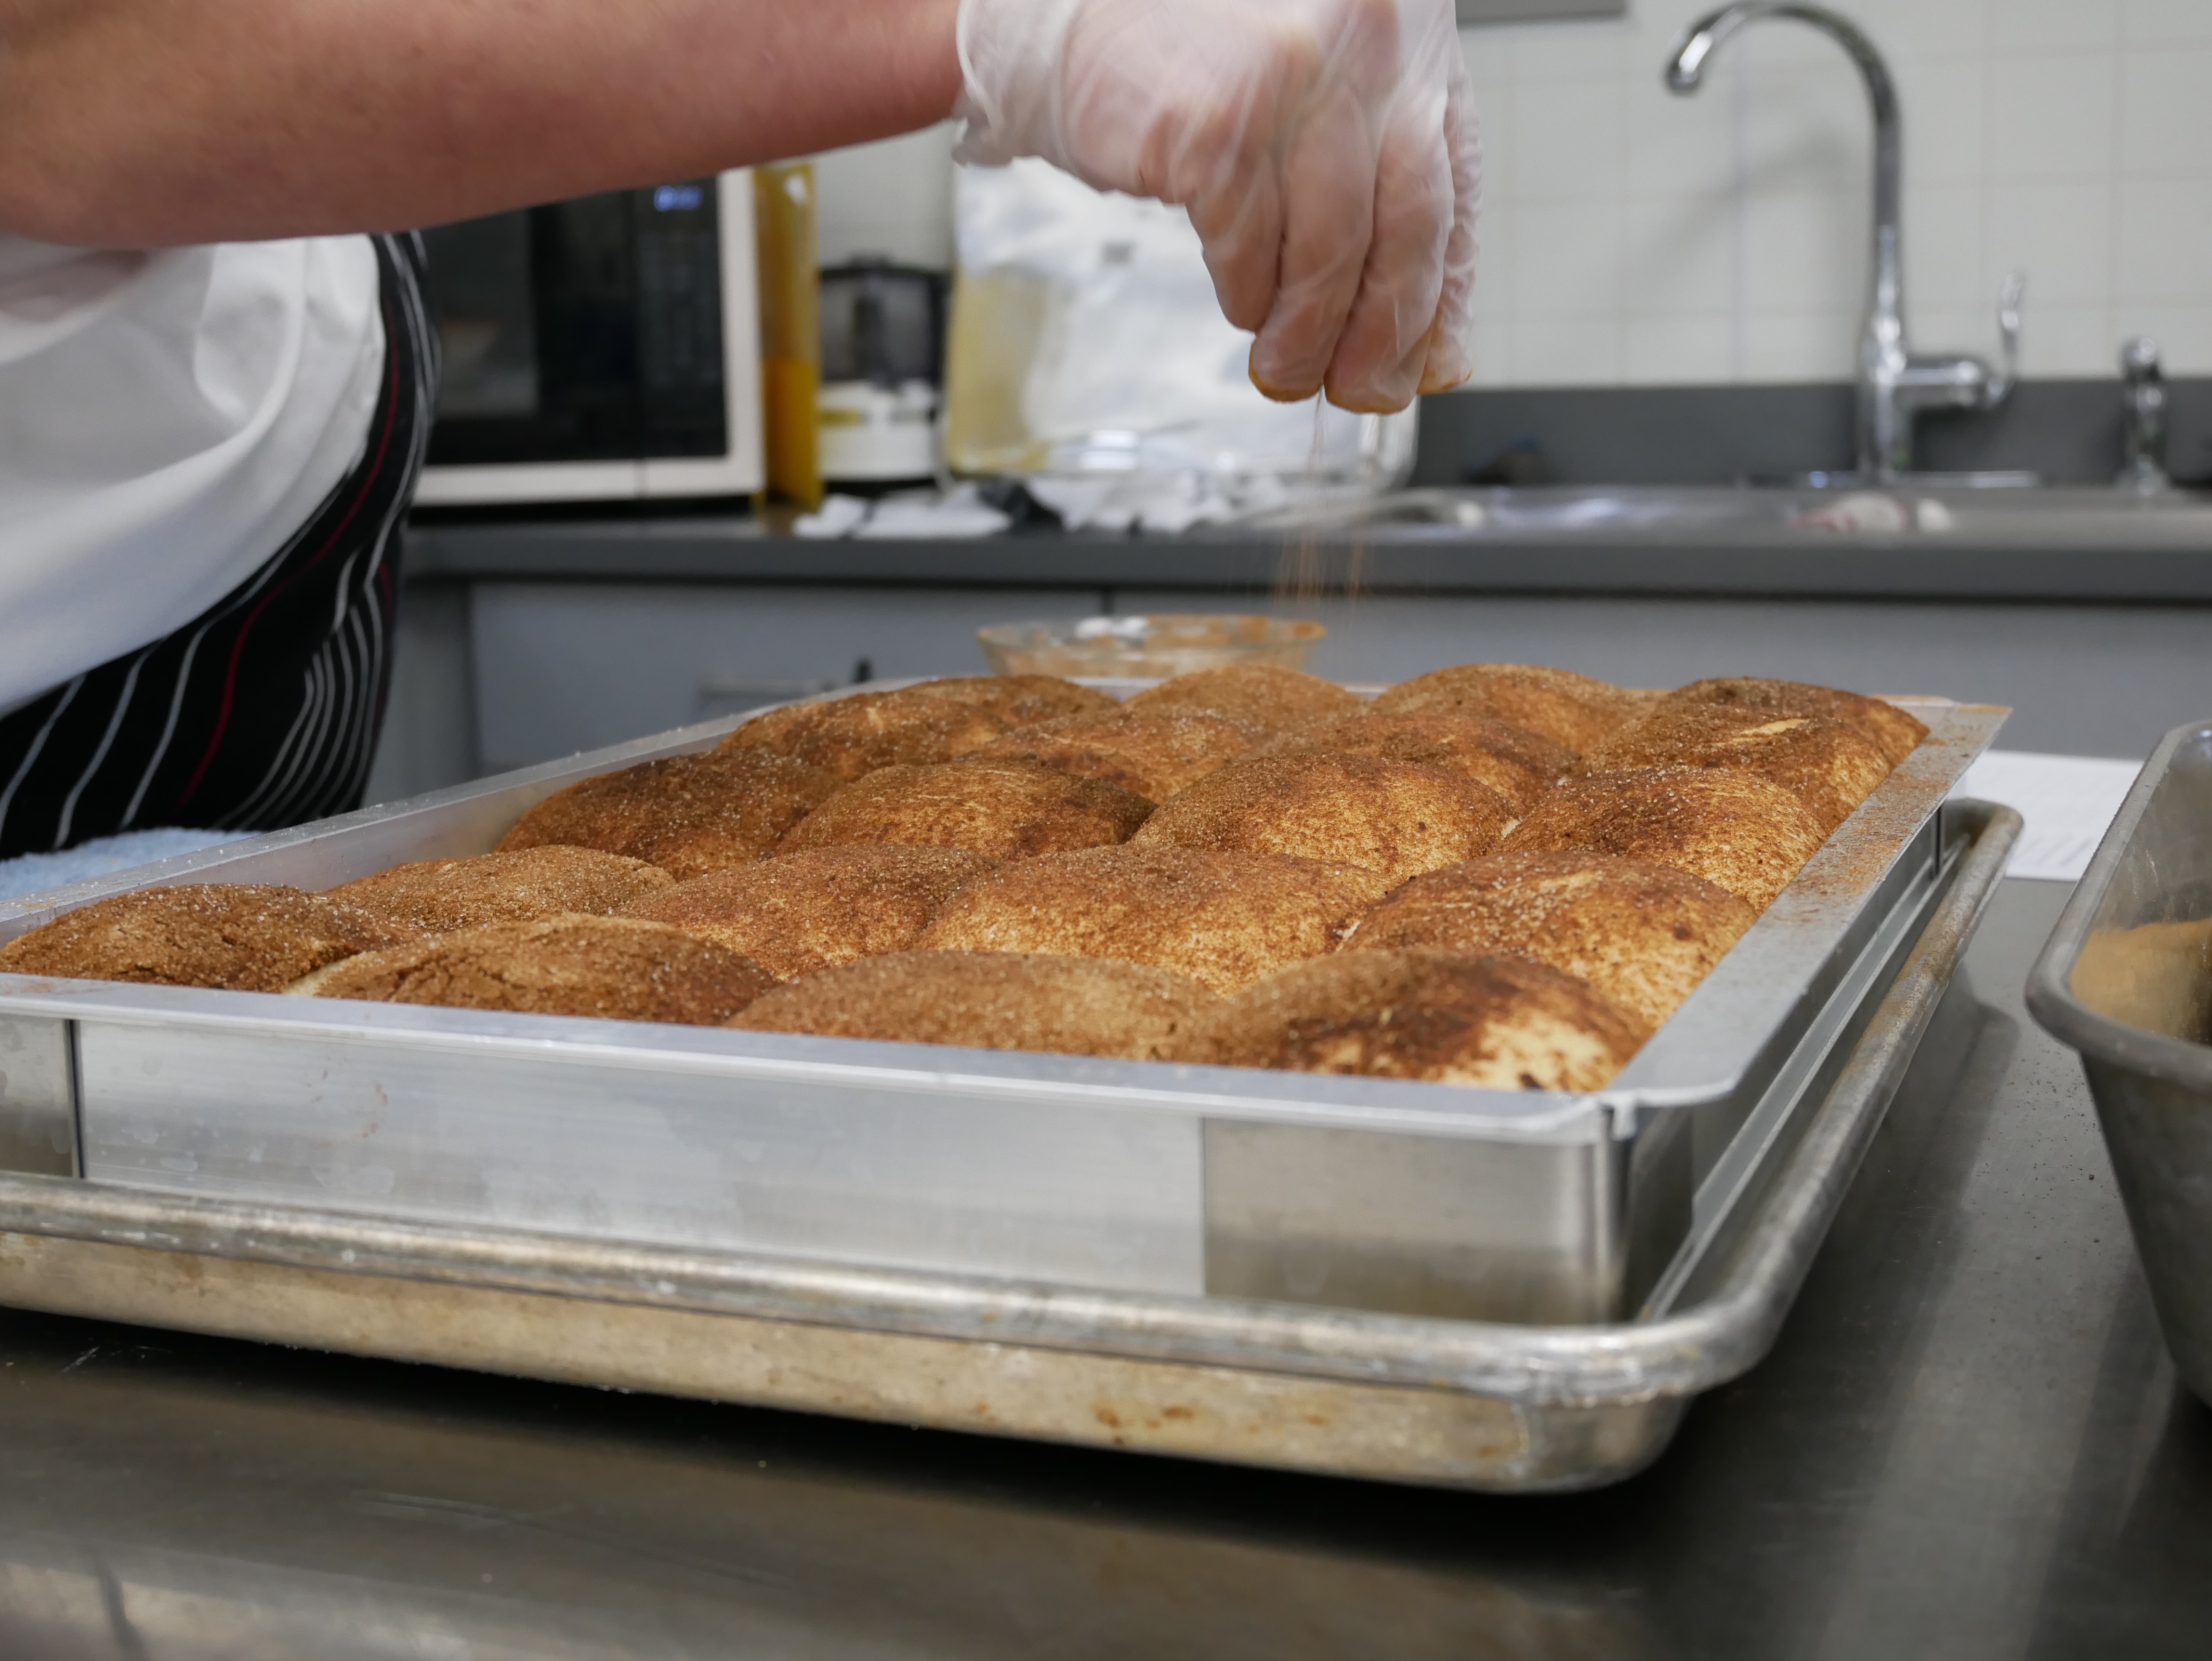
(2126, 979)
(1044, 1245)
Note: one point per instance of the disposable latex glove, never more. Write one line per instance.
(1326, 151)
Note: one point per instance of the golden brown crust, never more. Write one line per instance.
(809, 910)
(1387, 816)
(1564, 707)
(1016, 700)
(436, 897)
(1736, 830)
(1489, 1023)
(1518, 765)
(854, 735)
(1896, 732)
(1828, 766)
(1644, 935)
(612, 968)
(687, 814)
(1008, 809)
(1269, 700)
(1153, 754)
(991, 1000)
(1222, 919)
(239, 937)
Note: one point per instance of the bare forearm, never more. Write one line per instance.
(150, 122)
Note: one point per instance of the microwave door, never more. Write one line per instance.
(582, 340)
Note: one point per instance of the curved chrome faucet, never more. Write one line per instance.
(1895, 384)
(2143, 418)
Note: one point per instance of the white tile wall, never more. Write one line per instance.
(894, 199)
(1632, 236)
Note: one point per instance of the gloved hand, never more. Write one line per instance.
(1326, 151)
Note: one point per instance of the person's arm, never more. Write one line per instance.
(150, 123)
(1326, 149)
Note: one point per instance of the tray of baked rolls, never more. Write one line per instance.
(1438, 1083)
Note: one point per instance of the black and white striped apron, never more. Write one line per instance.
(263, 710)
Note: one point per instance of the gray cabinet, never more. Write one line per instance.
(2089, 680)
(499, 674)
(566, 667)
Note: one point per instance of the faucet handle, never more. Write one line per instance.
(2000, 385)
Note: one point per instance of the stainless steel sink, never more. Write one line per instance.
(1937, 508)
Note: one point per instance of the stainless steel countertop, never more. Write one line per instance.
(2000, 545)
(1968, 1444)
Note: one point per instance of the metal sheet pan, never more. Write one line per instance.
(1482, 1404)
(1217, 1189)
(2126, 979)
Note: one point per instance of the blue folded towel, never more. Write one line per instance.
(33, 874)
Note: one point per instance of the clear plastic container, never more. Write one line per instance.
(1146, 647)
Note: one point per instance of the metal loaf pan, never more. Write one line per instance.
(853, 1217)
(2126, 979)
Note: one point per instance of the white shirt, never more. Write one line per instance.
(167, 420)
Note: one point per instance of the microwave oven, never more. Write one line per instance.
(603, 349)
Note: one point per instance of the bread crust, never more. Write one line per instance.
(1390, 817)
(687, 814)
(1568, 708)
(991, 1000)
(1485, 1023)
(1896, 732)
(611, 968)
(1006, 808)
(854, 735)
(1642, 935)
(1737, 831)
(1269, 700)
(1224, 919)
(1828, 766)
(236, 937)
(1153, 754)
(1017, 700)
(437, 896)
(1517, 763)
(823, 906)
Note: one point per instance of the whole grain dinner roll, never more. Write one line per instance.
(1644, 935)
(990, 1000)
(1269, 700)
(239, 937)
(1829, 767)
(614, 968)
(852, 736)
(1518, 765)
(1390, 817)
(687, 814)
(1154, 753)
(1737, 831)
(1567, 708)
(809, 910)
(1224, 919)
(1016, 700)
(436, 897)
(1894, 731)
(1491, 1023)
(1006, 808)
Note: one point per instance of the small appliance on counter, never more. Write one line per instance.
(603, 349)
(882, 364)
